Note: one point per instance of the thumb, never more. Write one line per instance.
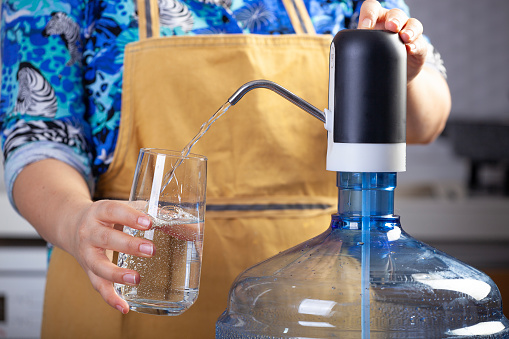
(370, 12)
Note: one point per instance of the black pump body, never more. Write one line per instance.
(366, 119)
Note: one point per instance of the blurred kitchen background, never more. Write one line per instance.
(454, 195)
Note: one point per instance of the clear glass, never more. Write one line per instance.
(170, 189)
(364, 277)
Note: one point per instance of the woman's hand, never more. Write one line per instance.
(428, 96)
(374, 16)
(56, 200)
(95, 234)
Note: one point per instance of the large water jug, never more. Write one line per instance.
(363, 277)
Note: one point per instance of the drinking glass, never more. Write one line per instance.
(170, 189)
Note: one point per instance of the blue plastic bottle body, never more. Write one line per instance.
(317, 289)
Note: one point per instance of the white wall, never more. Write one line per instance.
(473, 38)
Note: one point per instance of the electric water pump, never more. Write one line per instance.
(364, 277)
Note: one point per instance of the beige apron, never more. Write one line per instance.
(267, 188)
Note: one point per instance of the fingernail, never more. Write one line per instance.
(412, 47)
(129, 278)
(366, 23)
(121, 309)
(144, 222)
(409, 33)
(147, 249)
(396, 22)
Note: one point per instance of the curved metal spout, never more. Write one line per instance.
(279, 90)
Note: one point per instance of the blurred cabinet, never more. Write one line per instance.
(22, 281)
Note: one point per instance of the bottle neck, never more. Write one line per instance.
(366, 194)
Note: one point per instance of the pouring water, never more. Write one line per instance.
(186, 150)
(232, 101)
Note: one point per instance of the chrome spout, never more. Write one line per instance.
(306, 106)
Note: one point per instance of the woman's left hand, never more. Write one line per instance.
(374, 16)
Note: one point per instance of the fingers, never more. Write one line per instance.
(370, 13)
(103, 268)
(395, 20)
(418, 48)
(116, 212)
(96, 233)
(108, 293)
(109, 238)
(416, 51)
(374, 16)
(97, 229)
(411, 31)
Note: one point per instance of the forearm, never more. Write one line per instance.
(428, 97)
(428, 106)
(50, 194)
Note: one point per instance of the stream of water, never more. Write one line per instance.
(186, 150)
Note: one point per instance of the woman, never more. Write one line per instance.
(69, 140)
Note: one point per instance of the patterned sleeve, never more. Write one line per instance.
(42, 114)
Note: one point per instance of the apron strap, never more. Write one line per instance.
(299, 16)
(148, 19)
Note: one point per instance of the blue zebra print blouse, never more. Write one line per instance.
(62, 67)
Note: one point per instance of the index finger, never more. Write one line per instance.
(412, 30)
(395, 19)
(116, 212)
